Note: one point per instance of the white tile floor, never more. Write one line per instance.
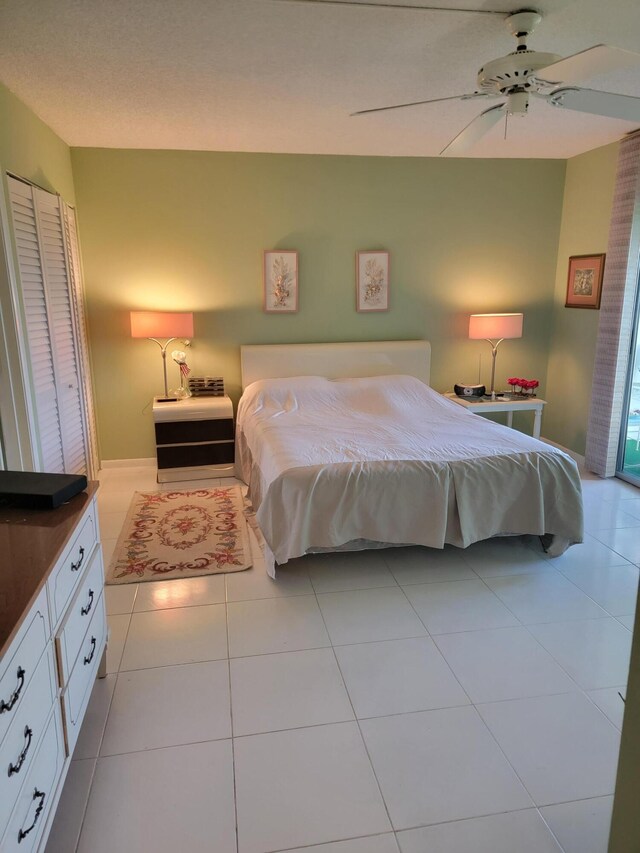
(381, 702)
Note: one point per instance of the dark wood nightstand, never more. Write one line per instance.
(194, 438)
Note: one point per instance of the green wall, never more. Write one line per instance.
(180, 230)
(586, 213)
(164, 229)
(30, 149)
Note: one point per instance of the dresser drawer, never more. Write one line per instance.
(19, 746)
(186, 455)
(83, 674)
(70, 568)
(76, 623)
(181, 432)
(18, 669)
(38, 792)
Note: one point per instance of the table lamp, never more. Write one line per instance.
(162, 324)
(494, 328)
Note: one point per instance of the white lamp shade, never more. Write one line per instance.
(161, 324)
(495, 326)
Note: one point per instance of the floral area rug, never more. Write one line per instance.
(181, 534)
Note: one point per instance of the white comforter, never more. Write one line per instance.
(387, 459)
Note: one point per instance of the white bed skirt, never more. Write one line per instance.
(294, 520)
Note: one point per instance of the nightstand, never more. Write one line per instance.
(194, 438)
(517, 404)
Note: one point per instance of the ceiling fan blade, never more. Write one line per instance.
(474, 131)
(409, 6)
(419, 103)
(607, 104)
(599, 59)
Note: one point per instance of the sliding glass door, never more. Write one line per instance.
(629, 447)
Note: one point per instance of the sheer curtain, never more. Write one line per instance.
(615, 326)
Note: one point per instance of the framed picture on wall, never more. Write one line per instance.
(372, 281)
(280, 281)
(584, 283)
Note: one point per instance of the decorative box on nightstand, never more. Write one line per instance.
(194, 438)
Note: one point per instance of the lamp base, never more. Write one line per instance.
(165, 400)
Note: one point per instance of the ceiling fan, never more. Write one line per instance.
(525, 73)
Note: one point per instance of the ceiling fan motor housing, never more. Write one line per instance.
(517, 70)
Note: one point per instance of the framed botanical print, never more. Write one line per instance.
(372, 281)
(584, 283)
(280, 281)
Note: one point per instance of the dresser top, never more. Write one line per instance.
(193, 409)
(30, 543)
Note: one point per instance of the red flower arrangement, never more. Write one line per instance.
(527, 386)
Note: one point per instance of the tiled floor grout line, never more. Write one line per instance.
(472, 704)
(553, 835)
(508, 700)
(582, 689)
(431, 637)
(86, 802)
(533, 808)
(233, 751)
(553, 657)
(356, 719)
(98, 750)
(602, 607)
(327, 843)
(527, 627)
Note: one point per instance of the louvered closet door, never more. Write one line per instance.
(78, 304)
(38, 337)
(63, 331)
(44, 264)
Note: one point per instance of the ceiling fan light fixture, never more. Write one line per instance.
(518, 104)
(524, 72)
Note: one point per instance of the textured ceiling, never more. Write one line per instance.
(260, 75)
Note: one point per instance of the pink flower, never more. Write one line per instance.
(513, 381)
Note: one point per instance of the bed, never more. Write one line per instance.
(345, 446)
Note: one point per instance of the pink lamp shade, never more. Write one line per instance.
(495, 326)
(161, 324)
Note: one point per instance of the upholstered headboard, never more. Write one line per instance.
(336, 361)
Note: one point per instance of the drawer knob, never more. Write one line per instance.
(37, 795)
(84, 611)
(76, 566)
(89, 657)
(15, 768)
(7, 706)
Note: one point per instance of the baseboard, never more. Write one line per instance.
(575, 456)
(149, 462)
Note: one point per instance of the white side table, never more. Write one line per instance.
(521, 404)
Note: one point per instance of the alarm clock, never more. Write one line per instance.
(475, 391)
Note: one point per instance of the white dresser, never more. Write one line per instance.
(53, 635)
